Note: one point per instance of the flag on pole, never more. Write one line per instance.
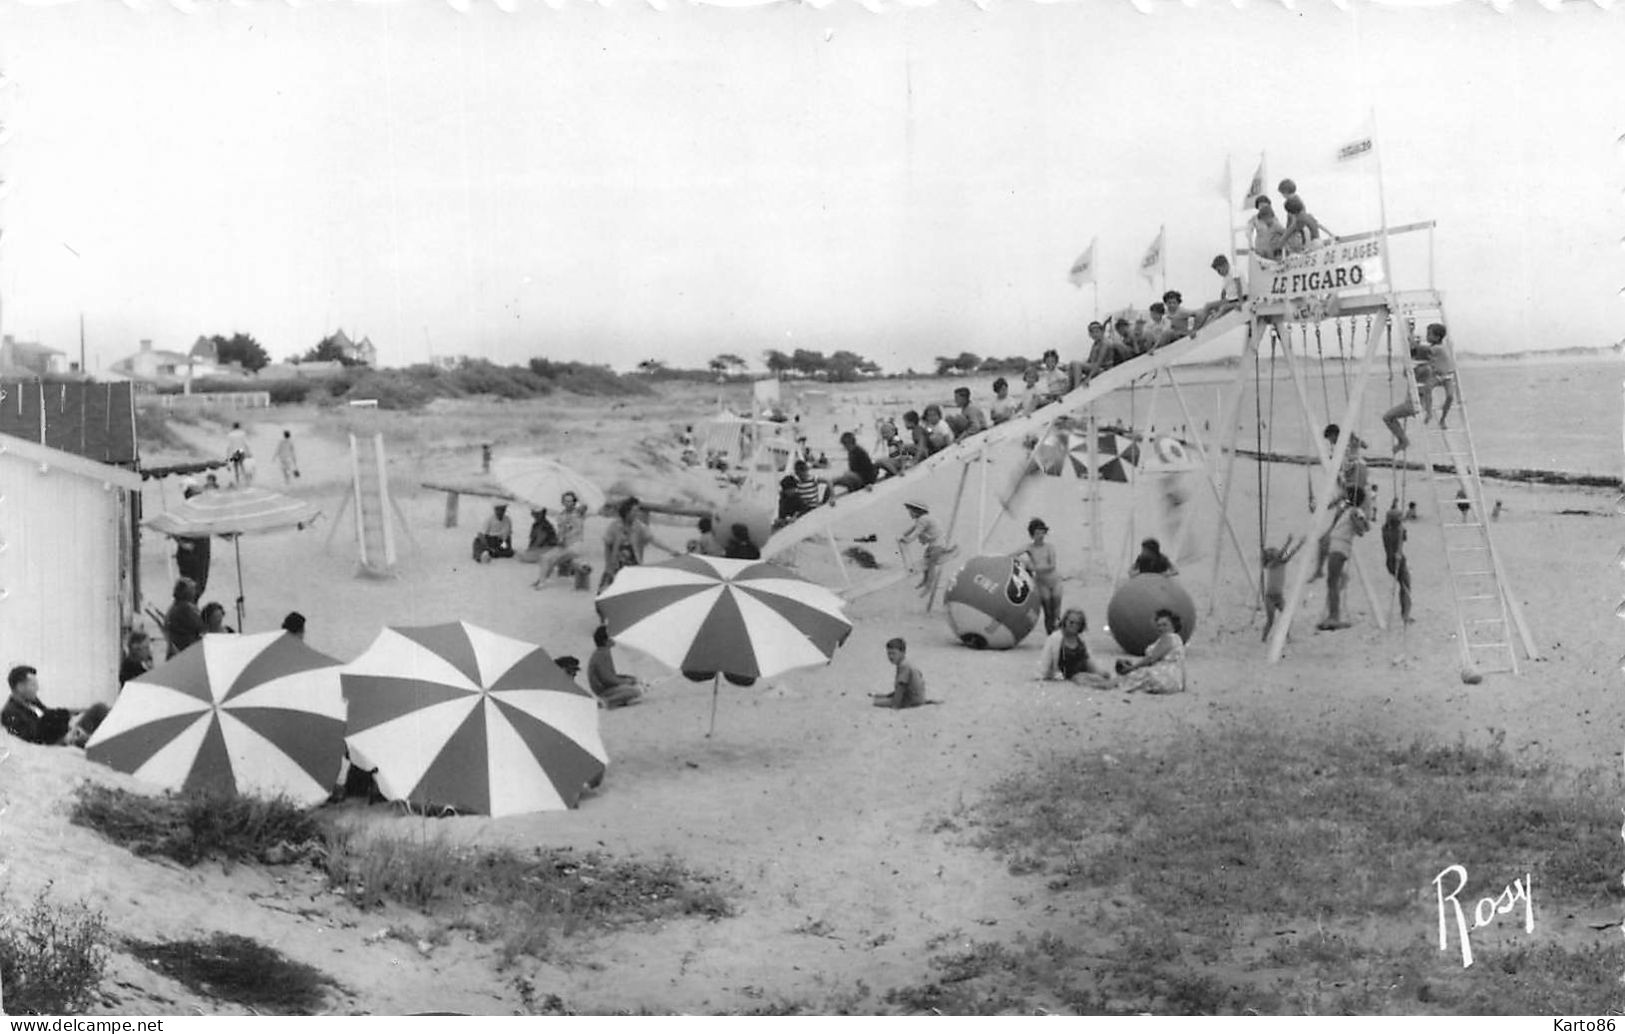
(1256, 189)
(1362, 144)
(1152, 262)
(1083, 270)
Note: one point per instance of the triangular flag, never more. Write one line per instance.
(1153, 258)
(1083, 270)
(1256, 188)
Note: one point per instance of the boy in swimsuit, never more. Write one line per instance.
(1274, 577)
(928, 533)
(1393, 548)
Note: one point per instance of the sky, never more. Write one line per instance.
(614, 184)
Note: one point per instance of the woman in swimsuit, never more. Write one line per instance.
(1041, 560)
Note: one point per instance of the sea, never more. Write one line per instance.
(1559, 415)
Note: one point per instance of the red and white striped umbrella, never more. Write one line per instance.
(734, 617)
(457, 716)
(254, 714)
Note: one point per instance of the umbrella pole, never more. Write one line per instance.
(237, 547)
(716, 687)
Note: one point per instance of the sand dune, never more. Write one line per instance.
(819, 807)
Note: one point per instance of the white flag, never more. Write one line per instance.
(1362, 144)
(1256, 188)
(1083, 270)
(1153, 258)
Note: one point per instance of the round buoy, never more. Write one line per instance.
(991, 604)
(1131, 614)
(1171, 451)
(756, 518)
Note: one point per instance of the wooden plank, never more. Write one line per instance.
(487, 490)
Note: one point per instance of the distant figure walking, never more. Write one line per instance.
(238, 455)
(286, 458)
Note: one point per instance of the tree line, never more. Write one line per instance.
(842, 365)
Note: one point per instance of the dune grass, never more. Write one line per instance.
(191, 828)
(1252, 871)
(51, 957)
(521, 901)
(1272, 824)
(240, 970)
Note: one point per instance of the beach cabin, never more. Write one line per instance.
(66, 556)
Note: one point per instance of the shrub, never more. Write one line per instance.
(51, 958)
(393, 389)
(240, 970)
(192, 827)
(289, 391)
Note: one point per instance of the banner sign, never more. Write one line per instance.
(1328, 270)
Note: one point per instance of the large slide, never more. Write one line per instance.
(375, 537)
(960, 459)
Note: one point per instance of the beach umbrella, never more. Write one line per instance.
(253, 714)
(1118, 455)
(232, 513)
(540, 482)
(717, 617)
(457, 716)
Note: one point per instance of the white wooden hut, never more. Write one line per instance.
(65, 558)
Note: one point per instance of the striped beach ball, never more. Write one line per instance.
(992, 603)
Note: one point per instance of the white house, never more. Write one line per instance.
(161, 367)
(66, 569)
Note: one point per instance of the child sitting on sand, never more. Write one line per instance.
(908, 686)
(1274, 578)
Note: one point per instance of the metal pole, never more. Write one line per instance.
(237, 547)
(1230, 419)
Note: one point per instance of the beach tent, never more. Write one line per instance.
(765, 394)
(713, 617)
(254, 714)
(455, 716)
(67, 566)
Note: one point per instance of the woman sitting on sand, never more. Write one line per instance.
(1162, 669)
(1065, 655)
(564, 556)
(543, 536)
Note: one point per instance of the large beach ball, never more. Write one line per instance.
(991, 602)
(754, 516)
(1131, 614)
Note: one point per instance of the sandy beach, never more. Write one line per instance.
(841, 827)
